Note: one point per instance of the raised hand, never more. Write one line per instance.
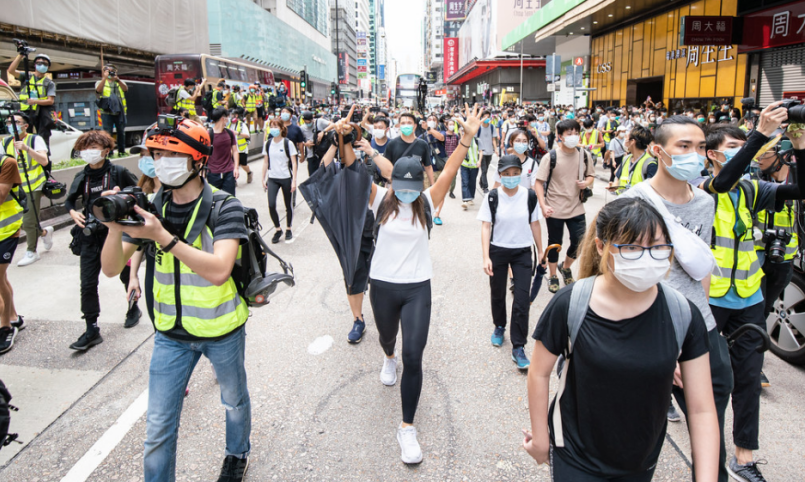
(472, 121)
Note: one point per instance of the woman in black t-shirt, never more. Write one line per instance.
(618, 381)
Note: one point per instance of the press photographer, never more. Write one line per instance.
(89, 234)
(37, 92)
(111, 91)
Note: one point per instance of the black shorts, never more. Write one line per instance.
(361, 280)
(7, 248)
(243, 158)
(261, 112)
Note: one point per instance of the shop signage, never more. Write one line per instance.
(439, 92)
(455, 10)
(604, 68)
(799, 95)
(430, 76)
(706, 30)
(773, 27)
(450, 57)
(701, 55)
(578, 61)
(553, 66)
(343, 68)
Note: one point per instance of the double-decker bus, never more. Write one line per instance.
(407, 89)
(172, 70)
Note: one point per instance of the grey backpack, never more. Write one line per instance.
(579, 303)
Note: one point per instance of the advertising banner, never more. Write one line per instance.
(381, 72)
(698, 30)
(773, 27)
(343, 68)
(450, 57)
(455, 10)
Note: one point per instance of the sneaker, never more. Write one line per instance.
(409, 447)
(276, 238)
(389, 373)
(764, 381)
(30, 257)
(288, 236)
(553, 284)
(567, 276)
(249, 177)
(47, 239)
(472, 203)
(745, 473)
(133, 317)
(464, 205)
(358, 329)
(673, 415)
(452, 196)
(7, 336)
(234, 469)
(486, 191)
(19, 324)
(87, 340)
(497, 335)
(437, 221)
(518, 357)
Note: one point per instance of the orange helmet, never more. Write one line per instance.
(178, 134)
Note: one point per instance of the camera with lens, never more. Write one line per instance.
(796, 111)
(119, 207)
(776, 241)
(92, 227)
(357, 116)
(113, 73)
(22, 47)
(7, 108)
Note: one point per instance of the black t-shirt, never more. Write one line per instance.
(614, 408)
(397, 147)
(295, 134)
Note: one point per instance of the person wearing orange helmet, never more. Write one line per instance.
(190, 292)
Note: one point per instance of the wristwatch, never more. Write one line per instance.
(374, 154)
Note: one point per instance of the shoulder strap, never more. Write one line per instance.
(380, 211)
(748, 187)
(493, 207)
(218, 198)
(211, 132)
(428, 214)
(532, 203)
(6, 143)
(287, 145)
(231, 136)
(405, 153)
(679, 309)
(550, 171)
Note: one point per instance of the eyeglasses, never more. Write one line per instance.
(635, 251)
(19, 124)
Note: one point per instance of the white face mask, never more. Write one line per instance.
(570, 141)
(92, 156)
(379, 133)
(640, 274)
(172, 171)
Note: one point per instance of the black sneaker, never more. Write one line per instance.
(566, 274)
(745, 473)
(276, 238)
(133, 317)
(553, 284)
(486, 191)
(764, 381)
(20, 324)
(87, 340)
(7, 336)
(452, 196)
(673, 415)
(288, 236)
(358, 329)
(234, 469)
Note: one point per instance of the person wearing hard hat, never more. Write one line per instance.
(37, 94)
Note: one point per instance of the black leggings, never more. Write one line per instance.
(576, 226)
(274, 185)
(562, 471)
(613, 166)
(406, 304)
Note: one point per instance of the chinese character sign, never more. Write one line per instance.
(706, 30)
(450, 57)
(454, 10)
(773, 27)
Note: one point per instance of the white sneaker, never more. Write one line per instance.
(472, 203)
(47, 239)
(464, 205)
(30, 257)
(389, 373)
(409, 447)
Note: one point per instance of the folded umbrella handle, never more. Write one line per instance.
(548, 250)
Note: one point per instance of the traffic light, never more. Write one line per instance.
(332, 88)
(303, 81)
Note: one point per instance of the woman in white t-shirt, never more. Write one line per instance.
(528, 165)
(506, 240)
(279, 173)
(401, 270)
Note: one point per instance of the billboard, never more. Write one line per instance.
(381, 72)
(450, 57)
(343, 68)
(455, 10)
(487, 23)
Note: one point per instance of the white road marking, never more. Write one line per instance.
(108, 441)
(320, 345)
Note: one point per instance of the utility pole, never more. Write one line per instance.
(337, 57)
(521, 73)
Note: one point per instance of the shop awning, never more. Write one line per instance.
(479, 67)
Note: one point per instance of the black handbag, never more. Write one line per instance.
(78, 238)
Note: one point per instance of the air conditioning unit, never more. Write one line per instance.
(215, 49)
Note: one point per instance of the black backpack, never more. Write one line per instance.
(586, 193)
(228, 131)
(493, 207)
(5, 417)
(206, 102)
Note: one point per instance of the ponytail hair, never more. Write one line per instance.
(623, 221)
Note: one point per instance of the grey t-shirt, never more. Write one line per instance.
(697, 215)
(484, 136)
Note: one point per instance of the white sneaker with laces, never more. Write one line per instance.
(30, 257)
(464, 205)
(389, 373)
(409, 447)
(47, 239)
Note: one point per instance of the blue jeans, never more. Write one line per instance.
(118, 121)
(468, 176)
(172, 363)
(224, 181)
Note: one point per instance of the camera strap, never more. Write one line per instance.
(106, 184)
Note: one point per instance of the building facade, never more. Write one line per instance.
(344, 43)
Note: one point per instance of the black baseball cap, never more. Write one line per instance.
(407, 175)
(307, 115)
(509, 160)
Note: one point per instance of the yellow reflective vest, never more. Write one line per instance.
(218, 103)
(249, 102)
(35, 176)
(733, 245)
(189, 104)
(107, 92)
(183, 298)
(632, 175)
(243, 143)
(607, 127)
(590, 138)
(34, 90)
(10, 210)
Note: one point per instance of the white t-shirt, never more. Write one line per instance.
(183, 93)
(278, 160)
(512, 227)
(244, 130)
(402, 254)
(526, 177)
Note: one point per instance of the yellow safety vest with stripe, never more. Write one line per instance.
(249, 102)
(590, 138)
(35, 86)
(243, 143)
(218, 103)
(183, 298)
(633, 175)
(608, 127)
(784, 219)
(188, 103)
(35, 177)
(10, 210)
(736, 259)
(107, 92)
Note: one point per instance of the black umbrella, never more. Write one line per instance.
(339, 198)
(541, 271)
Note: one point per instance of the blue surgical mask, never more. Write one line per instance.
(520, 147)
(685, 167)
(285, 116)
(10, 129)
(541, 118)
(406, 197)
(486, 121)
(274, 131)
(729, 154)
(510, 182)
(407, 130)
(146, 165)
(534, 124)
(41, 68)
